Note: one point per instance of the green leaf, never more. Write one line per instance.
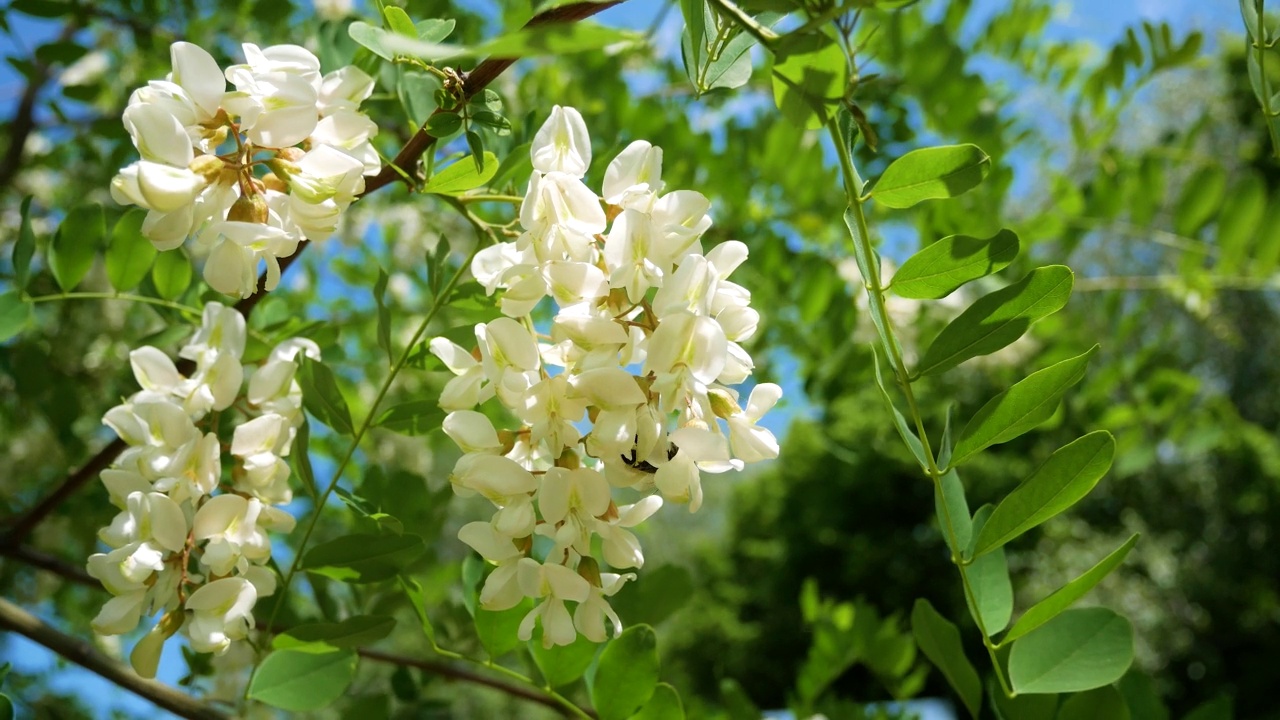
(322, 398)
(327, 637)
(939, 640)
(416, 417)
(1140, 696)
(664, 705)
(652, 602)
(949, 500)
(24, 247)
(900, 422)
(497, 630)
(444, 124)
(929, 174)
(15, 313)
(398, 21)
(1238, 221)
(462, 176)
(1060, 482)
(627, 673)
(869, 266)
(996, 320)
(517, 164)
(413, 590)
(732, 68)
(1062, 598)
(384, 315)
(6, 707)
(476, 145)
(1104, 703)
(300, 458)
(434, 30)
(130, 254)
(371, 37)
(417, 91)
(807, 86)
(1078, 650)
(363, 558)
(562, 664)
(75, 244)
(301, 681)
(1020, 408)
(939, 269)
(171, 273)
(1252, 25)
(992, 590)
(1200, 199)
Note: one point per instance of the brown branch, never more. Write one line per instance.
(405, 162)
(451, 671)
(55, 565)
(83, 654)
(439, 667)
(23, 121)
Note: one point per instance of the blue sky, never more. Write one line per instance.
(1099, 21)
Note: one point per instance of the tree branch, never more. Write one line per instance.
(55, 565)
(449, 670)
(23, 121)
(405, 161)
(83, 654)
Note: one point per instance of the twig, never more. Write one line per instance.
(406, 160)
(83, 654)
(23, 121)
(449, 670)
(55, 565)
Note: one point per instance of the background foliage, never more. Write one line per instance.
(1145, 165)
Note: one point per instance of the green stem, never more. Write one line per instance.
(764, 35)
(187, 309)
(1259, 49)
(876, 296)
(468, 199)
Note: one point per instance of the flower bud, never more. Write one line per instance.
(208, 167)
(271, 181)
(145, 657)
(291, 155)
(723, 404)
(589, 570)
(248, 208)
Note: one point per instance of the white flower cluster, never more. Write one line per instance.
(164, 485)
(253, 171)
(644, 344)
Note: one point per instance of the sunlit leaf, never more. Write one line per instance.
(939, 269)
(1063, 597)
(627, 674)
(930, 174)
(1077, 650)
(301, 681)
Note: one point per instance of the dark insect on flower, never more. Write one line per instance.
(643, 465)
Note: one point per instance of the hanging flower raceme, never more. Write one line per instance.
(645, 346)
(188, 542)
(252, 171)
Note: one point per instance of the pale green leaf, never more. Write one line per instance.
(993, 591)
(302, 681)
(939, 269)
(562, 664)
(1200, 199)
(627, 674)
(996, 320)
(930, 174)
(497, 629)
(1020, 408)
(1078, 650)
(398, 21)
(664, 705)
(1060, 482)
(807, 86)
(900, 422)
(462, 176)
(171, 273)
(1062, 598)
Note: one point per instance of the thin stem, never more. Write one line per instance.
(468, 199)
(875, 294)
(764, 35)
(185, 309)
(1260, 54)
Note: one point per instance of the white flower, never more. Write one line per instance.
(198, 74)
(277, 94)
(501, 589)
(620, 546)
(472, 431)
(221, 612)
(120, 614)
(344, 89)
(634, 177)
(148, 517)
(749, 441)
(222, 330)
(232, 267)
(562, 144)
(236, 531)
(156, 186)
(503, 482)
(126, 569)
(470, 387)
(590, 615)
(570, 501)
(554, 584)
